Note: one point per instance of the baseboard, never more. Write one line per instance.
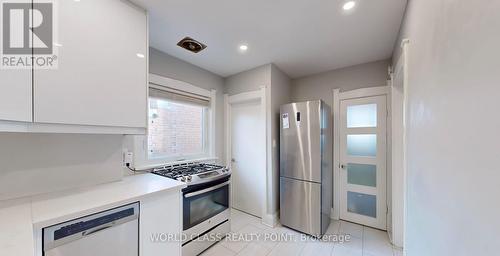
(332, 215)
(389, 233)
(391, 239)
(271, 220)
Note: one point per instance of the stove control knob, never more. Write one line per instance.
(183, 179)
(189, 178)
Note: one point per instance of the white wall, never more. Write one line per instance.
(39, 163)
(249, 80)
(280, 95)
(162, 64)
(320, 86)
(453, 143)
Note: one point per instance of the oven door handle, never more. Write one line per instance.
(206, 190)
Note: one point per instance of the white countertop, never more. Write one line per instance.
(19, 219)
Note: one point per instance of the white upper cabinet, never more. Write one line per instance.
(15, 95)
(101, 78)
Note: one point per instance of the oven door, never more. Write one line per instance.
(204, 201)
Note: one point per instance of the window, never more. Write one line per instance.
(181, 125)
(178, 126)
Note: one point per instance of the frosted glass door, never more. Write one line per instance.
(362, 160)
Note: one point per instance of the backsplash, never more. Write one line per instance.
(39, 163)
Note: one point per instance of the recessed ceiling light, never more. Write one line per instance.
(349, 5)
(243, 47)
(140, 55)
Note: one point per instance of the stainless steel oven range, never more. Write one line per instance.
(205, 203)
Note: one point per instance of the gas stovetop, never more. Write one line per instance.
(193, 173)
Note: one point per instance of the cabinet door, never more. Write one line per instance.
(161, 213)
(101, 78)
(15, 95)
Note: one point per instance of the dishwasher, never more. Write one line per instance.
(109, 233)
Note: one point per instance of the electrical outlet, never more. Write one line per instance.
(128, 158)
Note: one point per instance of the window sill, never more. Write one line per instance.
(148, 167)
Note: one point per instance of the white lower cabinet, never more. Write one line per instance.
(161, 224)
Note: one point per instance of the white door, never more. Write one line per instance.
(363, 161)
(248, 157)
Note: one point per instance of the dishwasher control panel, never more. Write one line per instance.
(71, 231)
(81, 226)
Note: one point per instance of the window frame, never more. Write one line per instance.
(141, 157)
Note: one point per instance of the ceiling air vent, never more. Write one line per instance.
(191, 45)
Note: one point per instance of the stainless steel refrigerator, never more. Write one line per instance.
(306, 166)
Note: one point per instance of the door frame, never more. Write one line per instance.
(229, 100)
(399, 102)
(337, 98)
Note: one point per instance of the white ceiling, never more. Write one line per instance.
(301, 37)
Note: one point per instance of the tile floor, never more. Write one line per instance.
(364, 241)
